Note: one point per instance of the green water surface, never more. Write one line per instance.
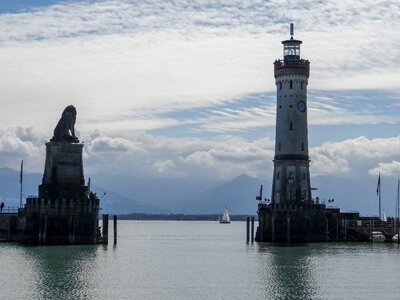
(198, 260)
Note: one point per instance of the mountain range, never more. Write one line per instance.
(124, 195)
(159, 196)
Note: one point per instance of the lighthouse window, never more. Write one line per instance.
(291, 126)
(280, 106)
(302, 146)
(304, 176)
(301, 85)
(291, 84)
(277, 176)
(279, 146)
(280, 85)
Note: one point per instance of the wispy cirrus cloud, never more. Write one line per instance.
(118, 60)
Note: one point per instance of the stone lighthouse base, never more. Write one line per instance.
(292, 223)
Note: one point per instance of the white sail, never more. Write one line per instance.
(225, 217)
(384, 217)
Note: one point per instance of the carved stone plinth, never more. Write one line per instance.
(63, 173)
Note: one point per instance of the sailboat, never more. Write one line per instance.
(225, 217)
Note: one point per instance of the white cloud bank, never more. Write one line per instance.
(144, 155)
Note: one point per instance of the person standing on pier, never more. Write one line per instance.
(1, 207)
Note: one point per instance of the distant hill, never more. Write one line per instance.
(152, 196)
(238, 195)
(125, 195)
(164, 193)
(114, 203)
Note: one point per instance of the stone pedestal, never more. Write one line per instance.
(63, 172)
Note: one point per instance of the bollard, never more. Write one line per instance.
(252, 230)
(247, 229)
(337, 230)
(115, 229)
(105, 229)
(327, 229)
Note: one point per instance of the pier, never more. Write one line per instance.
(317, 223)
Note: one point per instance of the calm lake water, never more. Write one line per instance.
(198, 260)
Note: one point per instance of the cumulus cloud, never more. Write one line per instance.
(387, 169)
(228, 156)
(140, 154)
(145, 155)
(107, 144)
(162, 166)
(358, 155)
(17, 143)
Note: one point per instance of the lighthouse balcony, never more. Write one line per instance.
(287, 63)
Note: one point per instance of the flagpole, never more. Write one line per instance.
(20, 181)
(397, 211)
(378, 191)
(380, 216)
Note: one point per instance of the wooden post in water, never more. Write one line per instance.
(273, 229)
(393, 227)
(288, 229)
(105, 229)
(115, 229)
(247, 229)
(371, 226)
(252, 230)
(44, 235)
(337, 229)
(327, 229)
(40, 229)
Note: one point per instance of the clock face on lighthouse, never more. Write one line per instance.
(301, 106)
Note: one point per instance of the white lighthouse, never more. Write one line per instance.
(291, 182)
(292, 215)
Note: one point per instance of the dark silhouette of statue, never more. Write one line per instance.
(65, 130)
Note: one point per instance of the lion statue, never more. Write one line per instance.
(65, 131)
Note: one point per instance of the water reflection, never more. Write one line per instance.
(286, 271)
(62, 272)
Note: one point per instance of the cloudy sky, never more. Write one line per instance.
(186, 89)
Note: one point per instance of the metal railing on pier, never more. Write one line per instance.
(9, 210)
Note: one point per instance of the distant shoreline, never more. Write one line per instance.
(179, 217)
